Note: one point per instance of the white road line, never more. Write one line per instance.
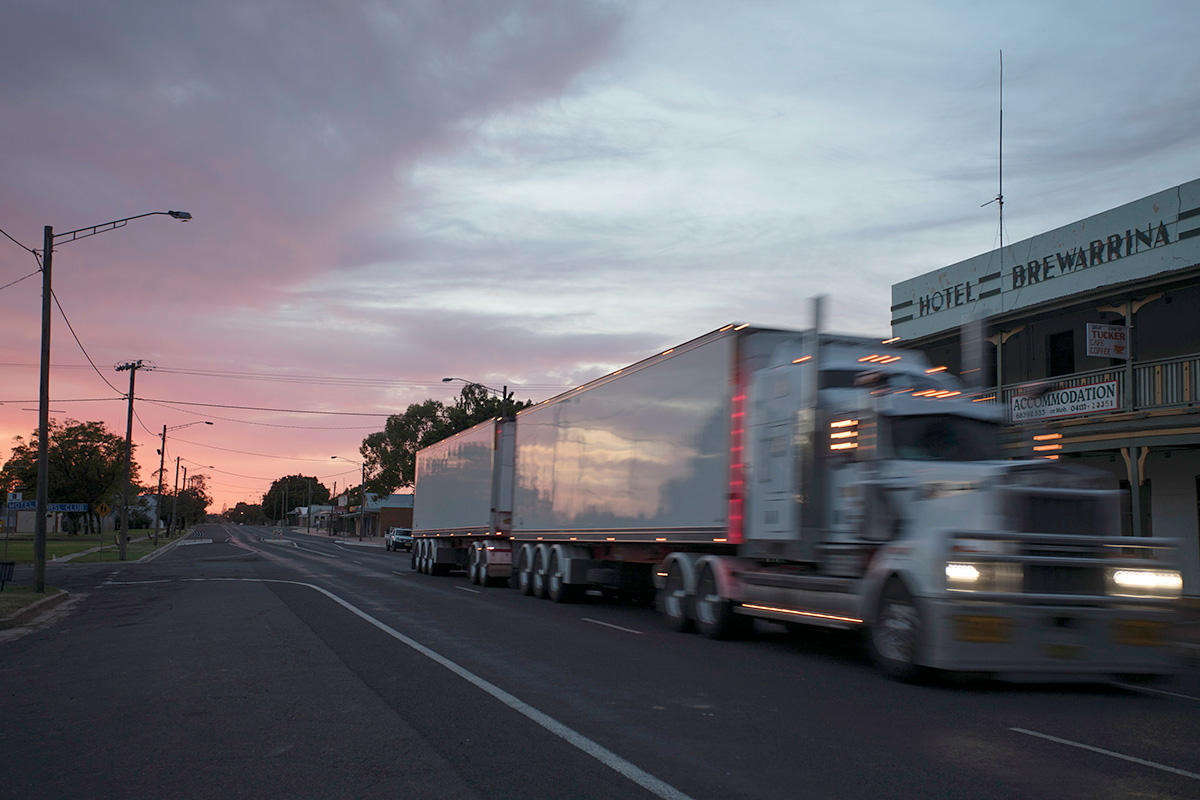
(465, 589)
(610, 625)
(135, 583)
(1134, 688)
(401, 574)
(1102, 751)
(605, 756)
(316, 552)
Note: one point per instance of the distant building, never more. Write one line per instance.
(393, 511)
(1091, 339)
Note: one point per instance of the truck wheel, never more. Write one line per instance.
(413, 557)
(897, 636)
(539, 573)
(675, 603)
(556, 589)
(714, 614)
(524, 569)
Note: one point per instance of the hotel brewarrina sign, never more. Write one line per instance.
(1153, 235)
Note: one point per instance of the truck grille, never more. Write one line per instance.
(1073, 516)
(1042, 579)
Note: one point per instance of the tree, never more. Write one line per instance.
(294, 489)
(86, 465)
(245, 514)
(391, 454)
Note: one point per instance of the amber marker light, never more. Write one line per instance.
(812, 614)
(932, 370)
(801, 360)
(891, 340)
(1045, 437)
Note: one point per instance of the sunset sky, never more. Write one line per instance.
(520, 193)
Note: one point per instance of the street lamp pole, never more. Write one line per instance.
(174, 500)
(162, 454)
(503, 393)
(362, 494)
(49, 237)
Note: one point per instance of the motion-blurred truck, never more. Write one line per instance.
(809, 479)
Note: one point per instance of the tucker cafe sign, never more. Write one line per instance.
(1070, 402)
(1107, 341)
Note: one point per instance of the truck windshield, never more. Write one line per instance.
(944, 437)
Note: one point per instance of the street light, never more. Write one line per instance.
(49, 239)
(362, 491)
(502, 392)
(162, 454)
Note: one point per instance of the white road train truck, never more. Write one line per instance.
(805, 478)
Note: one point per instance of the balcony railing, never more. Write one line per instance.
(1161, 383)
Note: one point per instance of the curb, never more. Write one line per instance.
(146, 559)
(33, 609)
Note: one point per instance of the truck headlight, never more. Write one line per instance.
(1146, 582)
(961, 576)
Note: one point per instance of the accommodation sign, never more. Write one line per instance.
(1107, 341)
(1072, 402)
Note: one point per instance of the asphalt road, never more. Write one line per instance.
(247, 666)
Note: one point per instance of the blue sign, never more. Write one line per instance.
(31, 505)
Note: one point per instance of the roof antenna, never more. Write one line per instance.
(971, 336)
(999, 198)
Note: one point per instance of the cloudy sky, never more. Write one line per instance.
(520, 192)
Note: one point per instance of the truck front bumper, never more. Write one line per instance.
(1060, 638)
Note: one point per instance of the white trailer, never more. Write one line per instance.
(806, 478)
(462, 504)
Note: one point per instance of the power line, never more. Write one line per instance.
(247, 453)
(277, 410)
(81, 347)
(264, 424)
(18, 244)
(18, 280)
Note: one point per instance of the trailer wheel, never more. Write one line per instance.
(523, 569)
(473, 565)
(676, 605)
(897, 636)
(416, 548)
(714, 614)
(556, 589)
(539, 573)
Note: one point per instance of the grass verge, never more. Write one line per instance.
(20, 548)
(14, 598)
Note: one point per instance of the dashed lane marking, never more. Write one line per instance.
(1104, 752)
(610, 625)
(1148, 690)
